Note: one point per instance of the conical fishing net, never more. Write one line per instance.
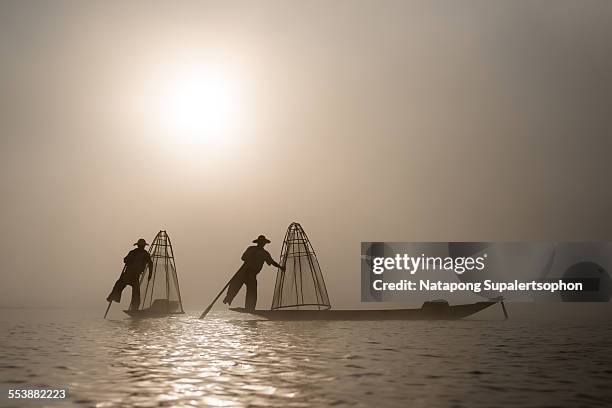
(301, 285)
(161, 293)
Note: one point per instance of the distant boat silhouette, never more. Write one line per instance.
(162, 296)
(300, 292)
(429, 311)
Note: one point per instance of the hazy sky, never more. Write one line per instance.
(362, 120)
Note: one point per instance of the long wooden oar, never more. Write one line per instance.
(205, 312)
(504, 309)
(107, 308)
(111, 302)
(500, 300)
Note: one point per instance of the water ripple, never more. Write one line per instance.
(228, 361)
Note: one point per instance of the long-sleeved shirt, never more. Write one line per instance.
(254, 258)
(137, 260)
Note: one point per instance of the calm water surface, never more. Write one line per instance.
(231, 360)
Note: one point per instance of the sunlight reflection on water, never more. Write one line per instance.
(230, 360)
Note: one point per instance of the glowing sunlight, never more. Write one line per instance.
(201, 104)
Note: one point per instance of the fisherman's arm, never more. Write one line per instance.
(127, 258)
(246, 254)
(272, 262)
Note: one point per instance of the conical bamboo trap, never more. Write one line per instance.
(301, 284)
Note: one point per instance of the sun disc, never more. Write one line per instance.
(201, 106)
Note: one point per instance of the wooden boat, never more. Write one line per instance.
(429, 311)
(300, 292)
(159, 308)
(145, 314)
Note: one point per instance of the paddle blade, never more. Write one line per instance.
(107, 308)
(504, 309)
(205, 312)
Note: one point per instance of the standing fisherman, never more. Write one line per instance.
(135, 263)
(254, 258)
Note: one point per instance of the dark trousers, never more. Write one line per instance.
(123, 281)
(251, 286)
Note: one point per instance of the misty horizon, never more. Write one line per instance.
(480, 121)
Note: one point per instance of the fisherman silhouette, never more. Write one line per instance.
(254, 258)
(135, 263)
